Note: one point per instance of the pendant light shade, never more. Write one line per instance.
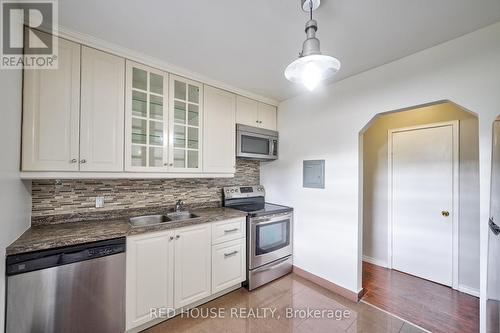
(311, 67)
(311, 70)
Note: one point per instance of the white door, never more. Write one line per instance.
(102, 111)
(150, 275)
(493, 286)
(267, 116)
(192, 264)
(423, 175)
(247, 111)
(51, 114)
(219, 131)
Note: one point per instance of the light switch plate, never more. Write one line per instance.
(314, 174)
(99, 202)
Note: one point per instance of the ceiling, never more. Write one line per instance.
(248, 43)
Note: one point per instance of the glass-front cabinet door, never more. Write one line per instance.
(146, 121)
(186, 98)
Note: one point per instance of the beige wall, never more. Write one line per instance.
(375, 191)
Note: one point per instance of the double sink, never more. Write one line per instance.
(149, 220)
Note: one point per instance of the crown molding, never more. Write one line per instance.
(127, 53)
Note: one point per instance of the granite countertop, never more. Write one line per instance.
(43, 237)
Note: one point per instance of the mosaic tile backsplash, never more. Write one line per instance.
(52, 197)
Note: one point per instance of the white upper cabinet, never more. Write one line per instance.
(267, 116)
(146, 119)
(186, 119)
(247, 111)
(51, 114)
(102, 111)
(219, 131)
(253, 113)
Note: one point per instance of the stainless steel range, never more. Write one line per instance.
(269, 234)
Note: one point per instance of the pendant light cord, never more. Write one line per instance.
(310, 9)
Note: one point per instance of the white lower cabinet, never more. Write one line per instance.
(228, 264)
(150, 276)
(175, 268)
(192, 264)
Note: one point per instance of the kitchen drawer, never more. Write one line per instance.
(228, 230)
(228, 264)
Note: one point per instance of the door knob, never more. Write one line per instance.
(73, 160)
(83, 161)
(445, 213)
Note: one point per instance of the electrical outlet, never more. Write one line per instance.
(99, 202)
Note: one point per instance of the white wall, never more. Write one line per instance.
(15, 195)
(326, 124)
(375, 185)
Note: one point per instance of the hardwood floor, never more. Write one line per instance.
(284, 295)
(432, 306)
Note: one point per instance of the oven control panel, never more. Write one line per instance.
(233, 192)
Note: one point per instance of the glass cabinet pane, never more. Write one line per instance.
(194, 94)
(192, 159)
(156, 83)
(180, 90)
(156, 107)
(179, 158)
(139, 129)
(138, 156)
(192, 138)
(193, 115)
(156, 156)
(180, 112)
(179, 136)
(139, 79)
(155, 133)
(139, 104)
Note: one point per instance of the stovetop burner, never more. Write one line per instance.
(251, 199)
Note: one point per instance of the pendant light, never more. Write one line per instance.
(311, 67)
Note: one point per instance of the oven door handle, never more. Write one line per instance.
(267, 220)
(272, 265)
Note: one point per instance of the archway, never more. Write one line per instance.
(384, 286)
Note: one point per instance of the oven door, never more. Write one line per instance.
(256, 146)
(270, 239)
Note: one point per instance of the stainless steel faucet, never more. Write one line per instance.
(179, 205)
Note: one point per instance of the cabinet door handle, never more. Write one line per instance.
(494, 227)
(83, 161)
(230, 254)
(178, 236)
(74, 160)
(171, 238)
(231, 230)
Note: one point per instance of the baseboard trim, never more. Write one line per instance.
(374, 261)
(468, 290)
(350, 295)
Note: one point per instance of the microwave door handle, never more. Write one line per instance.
(271, 148)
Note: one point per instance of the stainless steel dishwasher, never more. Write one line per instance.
(70, 289)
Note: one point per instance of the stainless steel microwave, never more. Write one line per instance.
(256, 143)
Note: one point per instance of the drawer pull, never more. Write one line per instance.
(231, 230)
(230, 254)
